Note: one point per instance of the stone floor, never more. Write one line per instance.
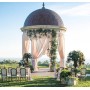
(43, 72)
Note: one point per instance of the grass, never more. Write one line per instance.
(9, 65)
(40, 81)
(43, 67)
(88, 71)
(83, 83)
(16, 65)
(37, 82)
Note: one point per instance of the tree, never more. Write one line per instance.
(77, 57)
(27, 56)
(88, 65)
(81, 58)
(46, 62)
(39, 63)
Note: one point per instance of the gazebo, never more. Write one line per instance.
(44, 30)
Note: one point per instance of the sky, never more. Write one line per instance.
(75, 16)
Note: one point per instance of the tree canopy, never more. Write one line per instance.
(26, 56)
(77, 57)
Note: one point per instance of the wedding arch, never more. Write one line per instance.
(43, 30)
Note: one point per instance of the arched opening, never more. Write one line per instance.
(42, 42)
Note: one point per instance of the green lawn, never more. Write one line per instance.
(88, 71)
(43, 67)
(16, 65)
(42, 82)
(84, 83)
(9, 65)
(36, 82)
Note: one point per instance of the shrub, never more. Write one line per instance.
(65, 73)
(64, 76)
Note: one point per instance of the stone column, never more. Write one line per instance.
(25, 43)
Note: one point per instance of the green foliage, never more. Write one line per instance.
(77, 57)
(26, 56)
(44, 63)
(13, 65)
(41, 32)
(57, 65)
(65, 73)
(39, 63)
(64, 76)
(83, 83)
(8, 61)
(53, 50)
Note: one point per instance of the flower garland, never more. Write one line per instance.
(53, 50)
(38, 33)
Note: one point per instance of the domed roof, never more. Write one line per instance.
(43, 16)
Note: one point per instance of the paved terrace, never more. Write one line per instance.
(46, 72)
(43, 72)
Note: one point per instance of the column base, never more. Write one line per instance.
(35, 69)
(34, 63)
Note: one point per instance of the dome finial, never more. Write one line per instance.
(43, 5)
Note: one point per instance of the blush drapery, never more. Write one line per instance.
(39, 47)
(61, 48)
(25, 43)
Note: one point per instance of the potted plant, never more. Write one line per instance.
(64, 76)
(77, 57)
(67, 78)
(72, 81)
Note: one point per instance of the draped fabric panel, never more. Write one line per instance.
(39, 47)
(44, 47)
(61, 48)
(25, 43)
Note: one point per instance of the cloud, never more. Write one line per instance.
(81, 10)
